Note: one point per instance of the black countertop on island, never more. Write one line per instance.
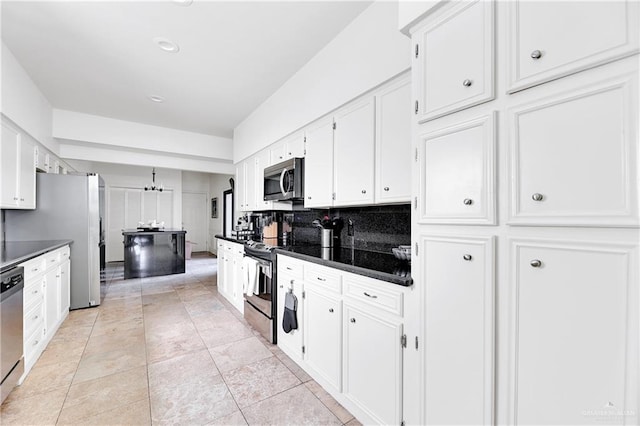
(16, 252)
(381, 266)
(153, 231)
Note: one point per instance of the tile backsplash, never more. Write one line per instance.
(378, 228)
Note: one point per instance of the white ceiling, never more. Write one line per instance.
(100, 58)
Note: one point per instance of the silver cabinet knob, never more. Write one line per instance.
(537, 197)
(364, 191)
(353, 320)
(308, 198)
(15, 198)
(536, 54)
(21, 199)
(536, 263)
(386, 188)
(291, 281)
(331, 310)
(467, 83)
(467, 257)
(468, 201)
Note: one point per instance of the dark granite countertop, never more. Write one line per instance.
(381, 266)
(231, 239)
(16, 252)
(159, 231)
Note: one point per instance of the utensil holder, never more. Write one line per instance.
(326, 238)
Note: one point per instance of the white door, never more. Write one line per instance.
(353, 154)
(372, 352)
(27, 178)
(323, 335)
(64, 272)
(52, 299)
(9, 157)
(458, 306)
(318, 166)
(291, 342)
(575, 333)
(240, 188)
(393, 143)
(250, 185)
(262, 162)
(194, 219)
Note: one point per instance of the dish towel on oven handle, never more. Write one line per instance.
(289, 319)
(250, 281)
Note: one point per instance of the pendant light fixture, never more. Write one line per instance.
(153, 186)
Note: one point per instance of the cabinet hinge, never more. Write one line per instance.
(304, 295)
(415, 202)
(403, 340)
(305, 139)
(303, 349)
(415, 111)
(417, 49)
(334, 125)
(333, 196)
(416, 249)
(416, 155)
(402, 423)
(416, 342)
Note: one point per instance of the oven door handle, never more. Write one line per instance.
(284, 172)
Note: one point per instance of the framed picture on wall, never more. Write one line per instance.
(214, 208)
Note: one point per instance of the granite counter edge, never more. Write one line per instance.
(46, 249)
(390, 278)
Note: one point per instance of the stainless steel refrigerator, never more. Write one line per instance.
(67, 207)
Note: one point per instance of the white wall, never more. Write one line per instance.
(89, 137)
(23, 103)
(217, 184)
(366, 53)
(412, 11)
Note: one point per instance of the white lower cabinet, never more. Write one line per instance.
(373, 363)
(574, 332)
(351, 329)
(458, 274)
(230, 272)
(323, 331)
(45, 302)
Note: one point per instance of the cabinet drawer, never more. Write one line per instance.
(290, 266)
(33, 291)
(65, 253)
(374, 293)
(237, 249)
(457, 173)
(33, 318)
(33, 267)
(323, 277)
(454, 61)
(573, 156)
(52, 259)
(542, 49)
(33, 344)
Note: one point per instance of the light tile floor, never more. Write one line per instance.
(167, 350)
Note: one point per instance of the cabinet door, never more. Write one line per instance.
(52, 299)
(294, 146)
(454, 62)
(64, 279)
(575, 331)
(277, 153)
(353, 156)
(458, 305)
(318, 167)
(542, 49)
(291, 343)
(393, 143)
(240, 187)
(323, 336)
(250, 184)
(9, 147)
(262, 162)
(457, 176)
(237, 296)
(223, 266)
(573, 156)
(27, 177)
(372, 354)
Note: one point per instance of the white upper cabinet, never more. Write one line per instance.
(291, 147)
(240, 187)
(454, 59)
(574, 311)
(354, 154)
(262, 162)
(393, 143)
(573, 156)
(250, 184)
(551, 39)
(318, 167)
(18, 173)
(457, 173)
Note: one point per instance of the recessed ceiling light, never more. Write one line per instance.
(184, 3)
(158, 99)
(166, 45)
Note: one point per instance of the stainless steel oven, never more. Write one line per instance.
(260, 308)
(285, 181)
(11, 324)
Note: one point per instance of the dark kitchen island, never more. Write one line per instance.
(149, 253)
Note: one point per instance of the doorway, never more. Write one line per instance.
(194, 219)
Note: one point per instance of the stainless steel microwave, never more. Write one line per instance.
(285, 181)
